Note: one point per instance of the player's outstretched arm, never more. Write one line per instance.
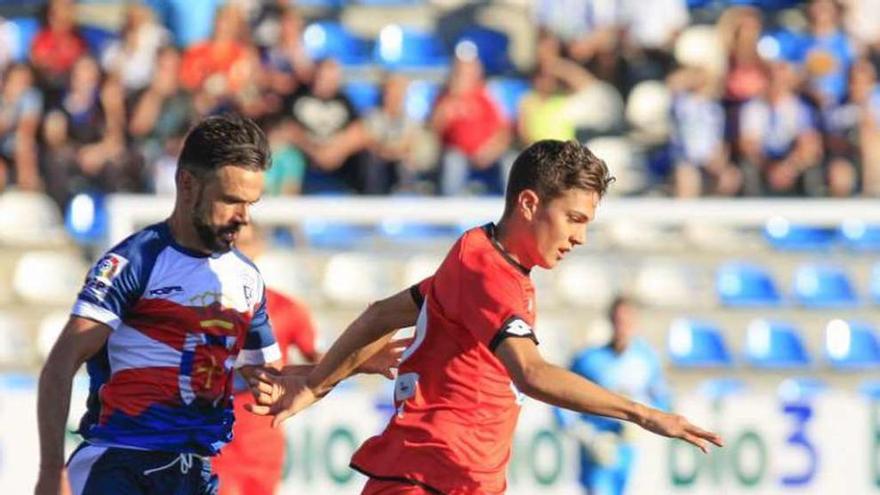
(368, 334)
(554, 385)
(80, 339)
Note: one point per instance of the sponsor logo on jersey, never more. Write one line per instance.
(164, 291)
(518, 327)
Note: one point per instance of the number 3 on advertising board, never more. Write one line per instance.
(801, 413)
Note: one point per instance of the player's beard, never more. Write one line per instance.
(213, 238)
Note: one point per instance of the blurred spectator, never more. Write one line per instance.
(21, 106)
(58, 159)
(473, 131)
(324, 124)
(285, 177)
(286, 59)
(95, 113)
(9, 43)
(828, 54)
(392, 134)
(700, 156)
(863, 24)
(779, 138)
(649, 36)
(217, 62)
(57, 46)
(133, 57)
(852, 135)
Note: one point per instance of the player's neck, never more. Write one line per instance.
(507, 237)
(184, 233)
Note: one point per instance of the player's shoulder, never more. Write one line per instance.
(138, 249)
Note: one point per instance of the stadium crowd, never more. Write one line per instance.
(792, 107)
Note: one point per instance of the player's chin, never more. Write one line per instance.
(549, 262)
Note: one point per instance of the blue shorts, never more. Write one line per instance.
(94, 470)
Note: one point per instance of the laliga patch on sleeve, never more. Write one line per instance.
(513, 327)
(101, 277)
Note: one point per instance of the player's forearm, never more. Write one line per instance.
(562, 388)
(53, 407)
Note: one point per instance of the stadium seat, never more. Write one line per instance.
(49, 330)
(697, 344)
(852, 345)
(666, 285)
(800, 388)
(774, 344)
(784, 236)
(420, 98)
(26, 29)
(29, 219)
(585, 284)
(491, 46)
(622, 161)
(47, 278)
(97, 38)
(15, 340)
(334, 235)
(782, 44)
(420, 267)
(287, 273)
(85, 218)
(859, 236)
(823, 286)
(405, 48)
(364, 95)
(870, 388)
(356, 280)
(647, 110)
(331, 39)
(508, 93)
(744, 285)
(416, 232)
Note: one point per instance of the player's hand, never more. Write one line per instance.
(280, 396)
(386, 360)
(675, 426)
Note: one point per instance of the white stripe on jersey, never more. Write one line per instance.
(79, 468)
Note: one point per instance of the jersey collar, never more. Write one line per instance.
(490, 229)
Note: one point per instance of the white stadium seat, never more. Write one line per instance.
(619, 154)
(29, 219)
(420, 267)
(288, 273)
(701, 46)
(357, 280)
(49, 278)
(647, 110)
(49, 330)
(666, 284)
(585, 284)
(15, 340)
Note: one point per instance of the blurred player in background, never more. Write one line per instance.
(460, 384)
(252, 463)
(626, 365)
(161, 321)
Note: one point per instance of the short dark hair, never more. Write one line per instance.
(227, 139)
(619, 301)
(551, 167)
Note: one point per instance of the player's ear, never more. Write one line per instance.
(528, 202)
(187, 183)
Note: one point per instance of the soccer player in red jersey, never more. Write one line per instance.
(461, 382)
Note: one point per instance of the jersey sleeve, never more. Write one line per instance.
(420, 290)
(112, 285)
(259, 345)
(299, 329)
(494, 309)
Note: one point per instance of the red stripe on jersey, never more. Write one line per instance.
(169, 322)
(133, 391)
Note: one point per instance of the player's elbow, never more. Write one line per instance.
(529, 379)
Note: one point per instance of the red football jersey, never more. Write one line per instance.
(456, 404)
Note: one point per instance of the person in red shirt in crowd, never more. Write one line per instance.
(474, 133)
(219, 61)
(58, 45)
(461, 383)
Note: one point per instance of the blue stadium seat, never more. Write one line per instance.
(783, 44)
(420, 98)
(859, 236)
(327, 4)
(97, 38)
(85, 218)
(404, 48)
(697, 344)
(492, 48)
(508, 92)
(364, 95)
(744, 284)
(335, 235)
(775, 345)
(325, 39)
(823, 286)
(416, 232)
(782, 235)
(27, 28)
(800, 388)
(852, 345)
(870, 388)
